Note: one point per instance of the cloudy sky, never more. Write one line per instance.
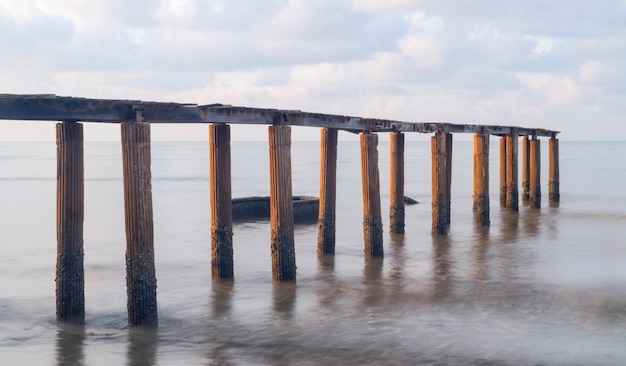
(534, 63)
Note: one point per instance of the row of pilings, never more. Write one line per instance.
(140, 269)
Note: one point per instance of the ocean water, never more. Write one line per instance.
(540, 287)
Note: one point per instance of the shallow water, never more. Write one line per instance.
(539, 287)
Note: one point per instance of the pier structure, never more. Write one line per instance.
(135, 118)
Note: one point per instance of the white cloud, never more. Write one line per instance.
(596, 71)
(424, 51)
(419, 22)
(553, 89)
(377, 6)
(542, 44)
(175, 11)
(533, 62)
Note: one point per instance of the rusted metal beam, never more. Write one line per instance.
(56, 108)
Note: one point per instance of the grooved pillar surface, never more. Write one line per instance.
(141, 281)
(328, 191)
(281, 205)
(396, 170)
(481, 179)
(448, 176)
(525, 169)
(70, 277)
(221, 202)
(535, 173)
(512, 194)
(372, 221)
(439, 185)
(503, 171)
(553, 171)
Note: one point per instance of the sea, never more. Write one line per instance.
(538, 287)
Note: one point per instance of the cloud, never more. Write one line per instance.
(553, 89)
(532, 62)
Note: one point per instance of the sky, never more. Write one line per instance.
(557, 64)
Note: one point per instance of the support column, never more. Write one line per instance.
(281, 205)
(396, 209)
(512, 194)
(439, 184)
(448, 176)
(222, 267)
(372, 221)
(481, 179)
(503, 171)
(535, 173)
(328, 191)
(525, 169)
(553, 170)
(70, 275)
(141, 281)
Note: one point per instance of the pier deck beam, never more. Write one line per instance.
(535, 173)
(372, 220)
(396, 172)
(328, 191)
(512, 194)
(526, 169)
(70, 275)
(440, 205)
(503, 171)
(553, 171)
(221, 203)
(281, 205)
(481, 179)
(141, 280)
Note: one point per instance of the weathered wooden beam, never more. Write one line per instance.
(535, 173)
(70, 275)
(372, 220)
(553, 171)
(396, 183)
(55, 108)
(512, 193)
(503, 171)
(328, 191)
(525, 169)
(222, 267)
(481, 179)
(281, 205)
(141, 280)
(439, 185)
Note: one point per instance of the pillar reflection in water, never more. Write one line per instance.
(284, 295)
(142, 346)
(70, 344)
(330, 291)
(372, 279)
(222, 299)
(506, 244)
(531, 222)
(481, 253)
(442, 268)
(398, 263)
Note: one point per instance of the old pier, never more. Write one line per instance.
(135, 119)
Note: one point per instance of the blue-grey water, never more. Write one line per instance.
(541, 287)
